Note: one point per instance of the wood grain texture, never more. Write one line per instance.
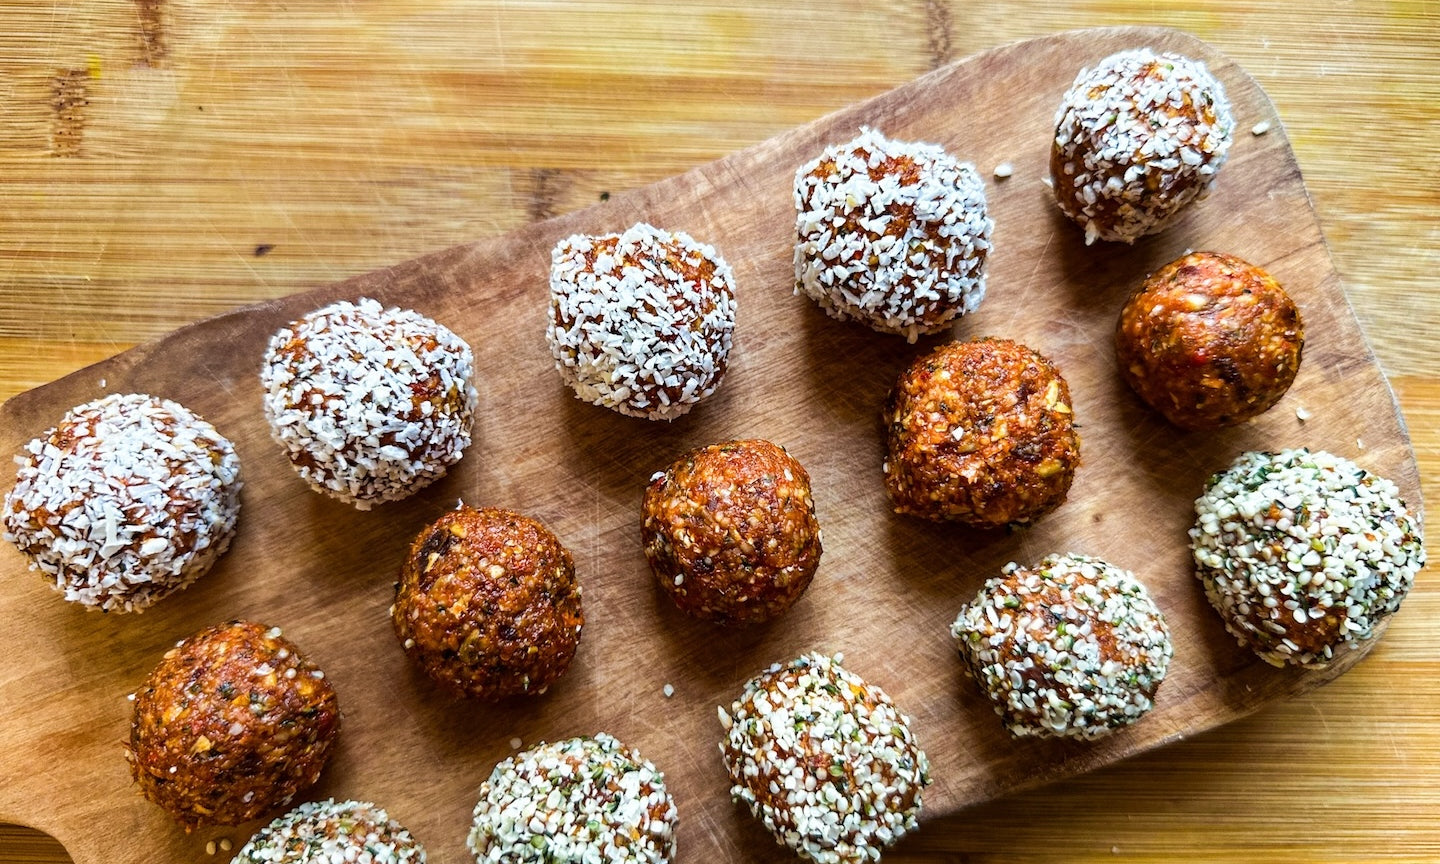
(83, 276)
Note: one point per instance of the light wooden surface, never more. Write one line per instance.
(152, 151)
(889, 586)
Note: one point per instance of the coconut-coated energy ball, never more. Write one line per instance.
(891, 233)
(127, 500)
(1209, 341)
(980, 432)
(730, 531)
(1137, 138)
(231, 724)
(1073, 647)
(641, 322)
(488, 604)
(371, 404)
(1303, 553)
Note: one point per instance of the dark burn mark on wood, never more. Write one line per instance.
(152, 31)
(541, 203)
(937, 25)
(69, 95)
(263, 249)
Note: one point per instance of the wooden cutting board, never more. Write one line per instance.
(887, 587)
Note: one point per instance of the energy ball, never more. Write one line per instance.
(641, 322)
(488, 604)
(891, 233)
(730, 531)
(1137, 138)
(128, 500)
(1072, 647)
(582, 799)
(324, 832)
(824, 760)
(370, 404)
(1304, 554)
(1209, 341)
(231, 724)
(981, 433)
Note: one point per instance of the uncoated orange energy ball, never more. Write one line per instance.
(730, 531)
(1209, 341)
(231, 724)
(980, 432)
(488, 604)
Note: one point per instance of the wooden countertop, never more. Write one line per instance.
(166, 161)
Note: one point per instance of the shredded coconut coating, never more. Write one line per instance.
(1072, 647)
(577, 801)
(824, 760)
(641, 322)
(326, 832)
(370, 404)
(891, 233)
(128, 500)
(1137, 138)
(1303, 553)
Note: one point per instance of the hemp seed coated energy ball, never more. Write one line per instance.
(232, 724)
(1209, 341)
(1137, 138)
(1072, 647)
(824, 760)
(488, 604)
(127, 500)
(641, 322)
(370, 404)
(1303, 553)
(730, 531)
(580, 800)
(982, 433)
(325, 832)
(891, 233)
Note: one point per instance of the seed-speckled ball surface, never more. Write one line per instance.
(370, 404)
(488, 604)
(641, 322)
(231, 724)
(891, 233)
(1072, 647)
(127, 500)
(1303, 554)
(825, 760)
(982, 433)
(578, 800)
(1209, 341)
(730, 531)
(1137, 138)
(329, 831)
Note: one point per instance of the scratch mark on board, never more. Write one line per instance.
(69, 96)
